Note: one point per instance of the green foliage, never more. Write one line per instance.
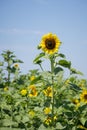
(41, 100)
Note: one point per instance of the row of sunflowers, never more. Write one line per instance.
(40, 99)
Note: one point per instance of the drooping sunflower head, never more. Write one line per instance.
(50, 43)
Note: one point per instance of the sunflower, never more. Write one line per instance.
(50, 43)
(48, 92)
(6, 88)
(83, 96)
(33, 91)
(48, 121)
(47, 110)
(23, 92)
(16, 66)
(76, 103)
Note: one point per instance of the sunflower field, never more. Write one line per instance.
(40, 99)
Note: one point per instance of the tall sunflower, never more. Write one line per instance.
(50, 43)
(83, 96)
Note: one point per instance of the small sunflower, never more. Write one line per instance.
(47, 110)
(23, 92)
(31, 113)
(76, 103)
(50, 43)
(32, 78)
(83, 96)
(33, 91)
(16, 66)
(48, 121)
(48, 92)
(6, 88)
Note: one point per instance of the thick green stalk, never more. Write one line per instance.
(8, 73)
(52, 71)
(8, 67)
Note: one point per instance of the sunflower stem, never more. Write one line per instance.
(52, 71)
(41, 67)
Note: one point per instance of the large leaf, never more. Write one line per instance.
(37, 59)
(83, 120)
(65, 63)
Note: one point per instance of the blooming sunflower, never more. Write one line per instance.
(23, 92)
(48, 92)
(83, 96)
(76, 103)
(47, 110)
(50, 43)
(31, 113)
(33, 91)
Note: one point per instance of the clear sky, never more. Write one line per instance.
(23, 22)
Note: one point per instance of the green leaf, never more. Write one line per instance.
(18, 118)
(65, 63)
(61, 55)
(38, 58)
(57, 70)
(25, 119)
(75, 87)
(17, 61)
(1, 63)
(83, 120)
(9, 122)
(8, 128)
(74, 128)
(74, 71)
(42, 127)
(59, 126)
(83, 107)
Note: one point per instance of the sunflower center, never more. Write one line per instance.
(85, 96)
(50, 44)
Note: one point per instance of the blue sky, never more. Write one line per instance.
(23, 22)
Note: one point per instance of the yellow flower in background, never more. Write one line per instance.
(16, 66)
(6, 88)
(32, 78)
(33, 91)
(67, 82)
(82, 84)
(50, 43)
(76, 102)
(47, 110)
(55, 118)
(48, 121)
(23, 92)
(82, 127)
(31, 113)
(83, 96)
(48, 92)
